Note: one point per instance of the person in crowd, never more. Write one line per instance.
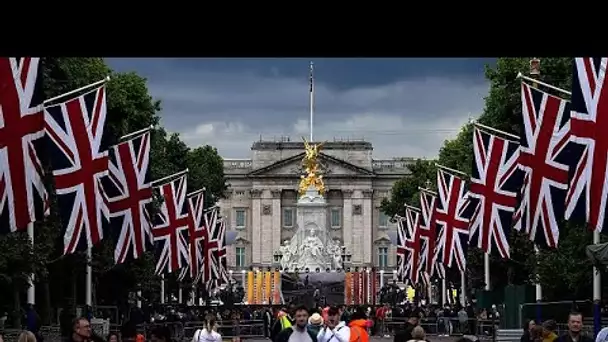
(335, 330)
(283, 321)
(549, 328)
(463, 320)
(299, 331)
(128, 332)
(113, 337)
(1, 337)
(405, 333)
(528, 325)
(81, 330)
(418, 335)
(358, 326)
(315, 323)
(536, 333)
(380, 318)
(26, 336)
(575, 325)
(602, 336)
(267, 319)
(209, 332)
(160, 334)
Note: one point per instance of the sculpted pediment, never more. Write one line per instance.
(292, 166)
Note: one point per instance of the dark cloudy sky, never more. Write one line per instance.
(405, 107)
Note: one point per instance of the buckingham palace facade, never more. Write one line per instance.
(260, 203)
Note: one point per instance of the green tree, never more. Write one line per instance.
(405, 190)
(207, 170)
(129, 108)
(503, 111)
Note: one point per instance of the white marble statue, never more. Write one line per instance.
(311, 251)
(287, 254)
(336, 253)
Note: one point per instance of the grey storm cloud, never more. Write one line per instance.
(408, 117)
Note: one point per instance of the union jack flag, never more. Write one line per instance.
(494, 184)
(218, 260)
(209, 271)
(220, 252)
(21, 125)
(171, 229)
(402, 251)
(412, 244)
(197, 232)
(453, 213)
(428, 231)
(546, 134)
(79, 162)
(588, 190)
(129, 194)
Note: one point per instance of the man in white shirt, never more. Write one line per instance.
(334, 329)
(297, 332)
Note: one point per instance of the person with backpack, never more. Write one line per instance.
(209, 332)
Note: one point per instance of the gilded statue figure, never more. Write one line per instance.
(311, 169)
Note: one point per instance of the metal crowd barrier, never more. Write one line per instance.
(441, 326)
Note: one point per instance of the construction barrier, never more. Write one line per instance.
(263, 287)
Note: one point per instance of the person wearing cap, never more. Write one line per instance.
(315, 323)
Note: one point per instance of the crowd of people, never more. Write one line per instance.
(291, 323)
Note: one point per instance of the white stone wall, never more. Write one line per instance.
(264, 233)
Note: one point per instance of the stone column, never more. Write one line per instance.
(368, 225)
(277, 212)
(357, 229)
(256, 223)
(266, 228)
(347, 219)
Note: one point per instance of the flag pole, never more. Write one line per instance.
(547, 85)
(164, 180)
(312, 100)
(31, 290)
(597, 291)
(89, 284)
(486, 270)
(75, 91)
(135, 134)
(463, 287)
(535, 74)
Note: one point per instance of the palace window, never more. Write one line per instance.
(382, 257)
(336, 217)
(288, 217)
(240, 218)
(240, 257)
(382, 219)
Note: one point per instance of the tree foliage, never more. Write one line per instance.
(503, 111)
(129, 108)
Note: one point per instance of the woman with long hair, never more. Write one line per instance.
(209, 332)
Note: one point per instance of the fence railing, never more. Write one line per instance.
(254, 329)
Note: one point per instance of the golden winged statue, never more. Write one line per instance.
(310, 163)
